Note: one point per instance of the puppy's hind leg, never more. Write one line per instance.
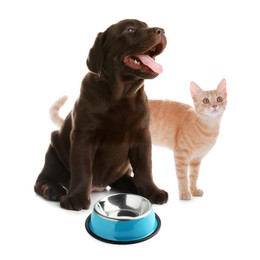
(48, 183)
(125, 184)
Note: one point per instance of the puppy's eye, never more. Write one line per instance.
(219, 99)
(205, 101)
(130, 28)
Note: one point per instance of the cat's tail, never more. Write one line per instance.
(54, 111)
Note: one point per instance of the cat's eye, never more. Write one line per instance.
(219, 99)
(205, 101)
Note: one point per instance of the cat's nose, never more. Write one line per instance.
(215, 107)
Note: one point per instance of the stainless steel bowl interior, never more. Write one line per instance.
(123, 206)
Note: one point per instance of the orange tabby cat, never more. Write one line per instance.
(189, 132)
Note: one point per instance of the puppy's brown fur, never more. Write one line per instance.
(105, 140)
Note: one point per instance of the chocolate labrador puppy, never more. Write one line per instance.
(105, 139)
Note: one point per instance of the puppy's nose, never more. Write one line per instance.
(158, 30)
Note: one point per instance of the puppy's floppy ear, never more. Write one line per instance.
(95, 56)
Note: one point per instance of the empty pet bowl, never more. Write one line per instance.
(123, 219)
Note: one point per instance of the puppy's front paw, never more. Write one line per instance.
(74, 202)
(159, 197)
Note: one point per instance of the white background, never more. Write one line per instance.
(43, 49)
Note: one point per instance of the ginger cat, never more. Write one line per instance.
(190, 133)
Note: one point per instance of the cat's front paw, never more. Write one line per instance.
(197, 193)
(185, 196)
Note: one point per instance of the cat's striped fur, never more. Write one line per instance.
(189, 132)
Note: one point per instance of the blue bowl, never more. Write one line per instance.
(123, 219)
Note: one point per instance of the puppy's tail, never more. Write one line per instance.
(54, 111)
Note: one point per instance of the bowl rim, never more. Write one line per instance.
(148, 211)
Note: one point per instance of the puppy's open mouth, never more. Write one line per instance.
(145, 61)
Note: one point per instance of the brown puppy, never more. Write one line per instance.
(105, 140)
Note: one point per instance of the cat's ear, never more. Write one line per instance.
(195, 90)
(222, 87)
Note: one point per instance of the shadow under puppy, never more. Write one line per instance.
(105, 139)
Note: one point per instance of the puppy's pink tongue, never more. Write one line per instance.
(150, 62)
